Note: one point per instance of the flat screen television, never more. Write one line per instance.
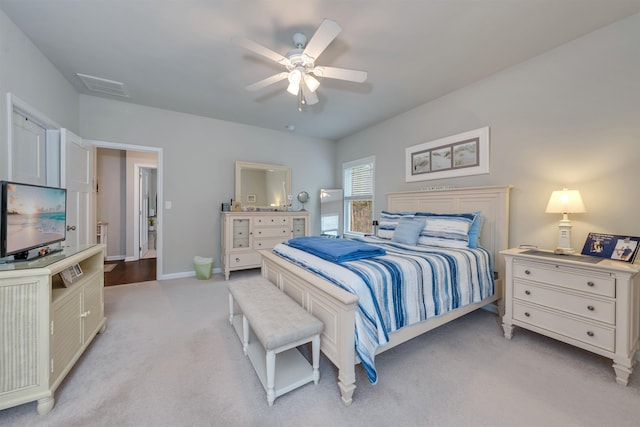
(32, 216)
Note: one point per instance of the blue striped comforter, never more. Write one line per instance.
(406, 286)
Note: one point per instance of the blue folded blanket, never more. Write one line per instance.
(336, 250)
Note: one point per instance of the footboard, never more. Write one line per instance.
(332, 305)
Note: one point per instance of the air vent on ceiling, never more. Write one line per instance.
(109, 87)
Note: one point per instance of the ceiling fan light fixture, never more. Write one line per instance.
(311, 82)
(294, 88)
(295, 76)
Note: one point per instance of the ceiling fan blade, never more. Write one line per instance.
(261, 50)
(268, 81)
(324, 35)
(310, 98)
(341, 74)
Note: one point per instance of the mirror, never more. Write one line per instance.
(331, 212)
(261, 186)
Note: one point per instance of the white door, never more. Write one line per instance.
(77, 177)
(28, 151)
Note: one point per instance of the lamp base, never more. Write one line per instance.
(564, 237)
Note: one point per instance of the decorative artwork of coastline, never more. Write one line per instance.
(611, 246)
(463, 154)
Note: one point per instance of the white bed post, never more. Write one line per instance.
(347, 357)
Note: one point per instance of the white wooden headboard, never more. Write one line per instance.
(493, 202)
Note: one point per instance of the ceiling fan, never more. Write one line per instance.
(300, 64)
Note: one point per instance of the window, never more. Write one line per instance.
(358, 179)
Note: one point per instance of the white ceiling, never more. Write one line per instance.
(178, 55)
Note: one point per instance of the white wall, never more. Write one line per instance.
(199, 167)
(28, 74)
(570, 117)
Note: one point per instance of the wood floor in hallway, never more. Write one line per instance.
(143, 270)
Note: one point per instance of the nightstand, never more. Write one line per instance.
(587, 302)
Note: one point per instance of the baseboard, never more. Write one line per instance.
(115, 258)
(182, 275)
(185, 274)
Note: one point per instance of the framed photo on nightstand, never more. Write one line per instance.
(612, 246)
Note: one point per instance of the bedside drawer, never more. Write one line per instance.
(244, 259)
(582, 305)
(281, 232)
(599, 336)
(594, 283)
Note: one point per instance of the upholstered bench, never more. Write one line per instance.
(280, 325)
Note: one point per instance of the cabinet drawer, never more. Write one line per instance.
(272, 220)
(582, 305)
(244, 259)
(589, 333)
(241, 232)
(242, 242)
(581, 280)
(267, 243)
(281, 232)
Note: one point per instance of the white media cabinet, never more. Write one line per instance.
(46, 326)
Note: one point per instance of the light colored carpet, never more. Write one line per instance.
(170, 358)
(109, 267)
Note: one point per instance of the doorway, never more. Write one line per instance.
(128, 199)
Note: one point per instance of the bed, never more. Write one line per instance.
(336, 307)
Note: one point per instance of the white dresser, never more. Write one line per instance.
(244, 233)
(46, 326)
(594, 306)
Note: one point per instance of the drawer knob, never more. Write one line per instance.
(591, 308)
(259, 244)
(590, 333)
(526, 313)
(237, 259)
(591, 284)
(527, 292)
(527, 272)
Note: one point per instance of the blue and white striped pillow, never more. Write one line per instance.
(447, 230)
(389, 221)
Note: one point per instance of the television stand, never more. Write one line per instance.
(47, 325)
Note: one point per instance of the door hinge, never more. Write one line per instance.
(52, 365)
(51, 332)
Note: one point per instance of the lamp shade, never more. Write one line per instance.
(565, 201)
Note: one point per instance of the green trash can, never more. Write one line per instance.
(203, 267)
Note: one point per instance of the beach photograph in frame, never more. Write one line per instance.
(462, 154)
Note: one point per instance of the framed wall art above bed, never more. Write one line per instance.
(463, 154)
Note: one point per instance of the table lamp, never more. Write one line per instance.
(565, 202)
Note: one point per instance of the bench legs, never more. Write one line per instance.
(245, 334)
(271, 377)
(315, 357)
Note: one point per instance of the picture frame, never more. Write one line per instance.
(236, 206)
(612, 246)
(251, 198)
(462, 154)
(71, 274)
